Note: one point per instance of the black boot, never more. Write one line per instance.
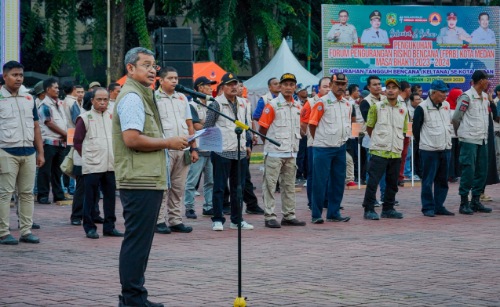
(370, 213)
(477, 206)
(464, 205)
(389, 212)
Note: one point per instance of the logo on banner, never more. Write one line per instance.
(435, 19)
(391, 19)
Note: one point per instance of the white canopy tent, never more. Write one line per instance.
(283, 62)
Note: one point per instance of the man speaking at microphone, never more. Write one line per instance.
(140, 171)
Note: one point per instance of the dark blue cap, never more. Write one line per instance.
(439, 85)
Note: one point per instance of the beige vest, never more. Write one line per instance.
(310, 139)
(97, 147)
(285, 128)
(474, 124)
(58, 118)
(17, 128)
(388, 134)
(437, 129)
(172, 111)
(334, 128)
(201, 110)
(229, 141)
(67, 103)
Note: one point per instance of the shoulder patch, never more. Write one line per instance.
(320, 108)
(267, 110)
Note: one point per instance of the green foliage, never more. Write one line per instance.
(137, 17)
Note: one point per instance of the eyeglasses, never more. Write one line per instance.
(149, 66)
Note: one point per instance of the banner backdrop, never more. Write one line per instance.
(413, 43)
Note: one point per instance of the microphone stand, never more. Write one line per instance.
(240, 126)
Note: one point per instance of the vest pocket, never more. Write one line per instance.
(142, 163)
(91, 155)
(7, 131)
(30, 131)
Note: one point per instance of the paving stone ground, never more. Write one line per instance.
(416, 261)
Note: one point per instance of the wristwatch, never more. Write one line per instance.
(194, 149)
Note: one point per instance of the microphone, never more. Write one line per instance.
(193, 93)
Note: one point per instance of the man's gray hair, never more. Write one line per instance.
(132, 55)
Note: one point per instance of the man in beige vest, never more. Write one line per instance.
(330, 127)
(20, 138)
(94, 144)
(386, 125)
(140, 171)
(274, 90)
(225, 163)
(280, 121)
(176, 120)
(54, 128)
(470, 122)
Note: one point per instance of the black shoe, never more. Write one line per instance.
(162, 228)
(317, 221)
(190, 214)
(44, 201)
(29, 238)
(401, 183)
(452, 179)
(99, 220)
(92, 234)
(396, 203)
(147, 304)
(429, 213)
(76, 222)
(35, 226)
(272, 224)
(209, 212)
(339, 219)
(465, 205)
(444, 211)
(181, 228)
(8, 240)
(113, 233)
(371, 215)
(255, 210)
(477, 206)
(292, 222)
(391, 214)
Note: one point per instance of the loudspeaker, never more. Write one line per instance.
(184, 68)
(187, 82)
(174, 52)
(174, 36)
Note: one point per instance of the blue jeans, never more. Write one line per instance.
(434, 171)
(310, 169)
(202, 165)
(407, 172)
(329, 166)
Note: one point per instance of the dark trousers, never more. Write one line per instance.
(329, 172)
(50, 173)
(474, 165)
(225, 169)
(301, 160)
(107, 182)
(140, 211)
(310, 168)
(434, 172)
(376, 168)
(454, 169)
(352, 149)
(78, 197)
(249, 197)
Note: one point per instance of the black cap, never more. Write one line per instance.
(203, 81)
(339, 77)
(288, 77)
(375, 14)
(478, 75)
(228, 78)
